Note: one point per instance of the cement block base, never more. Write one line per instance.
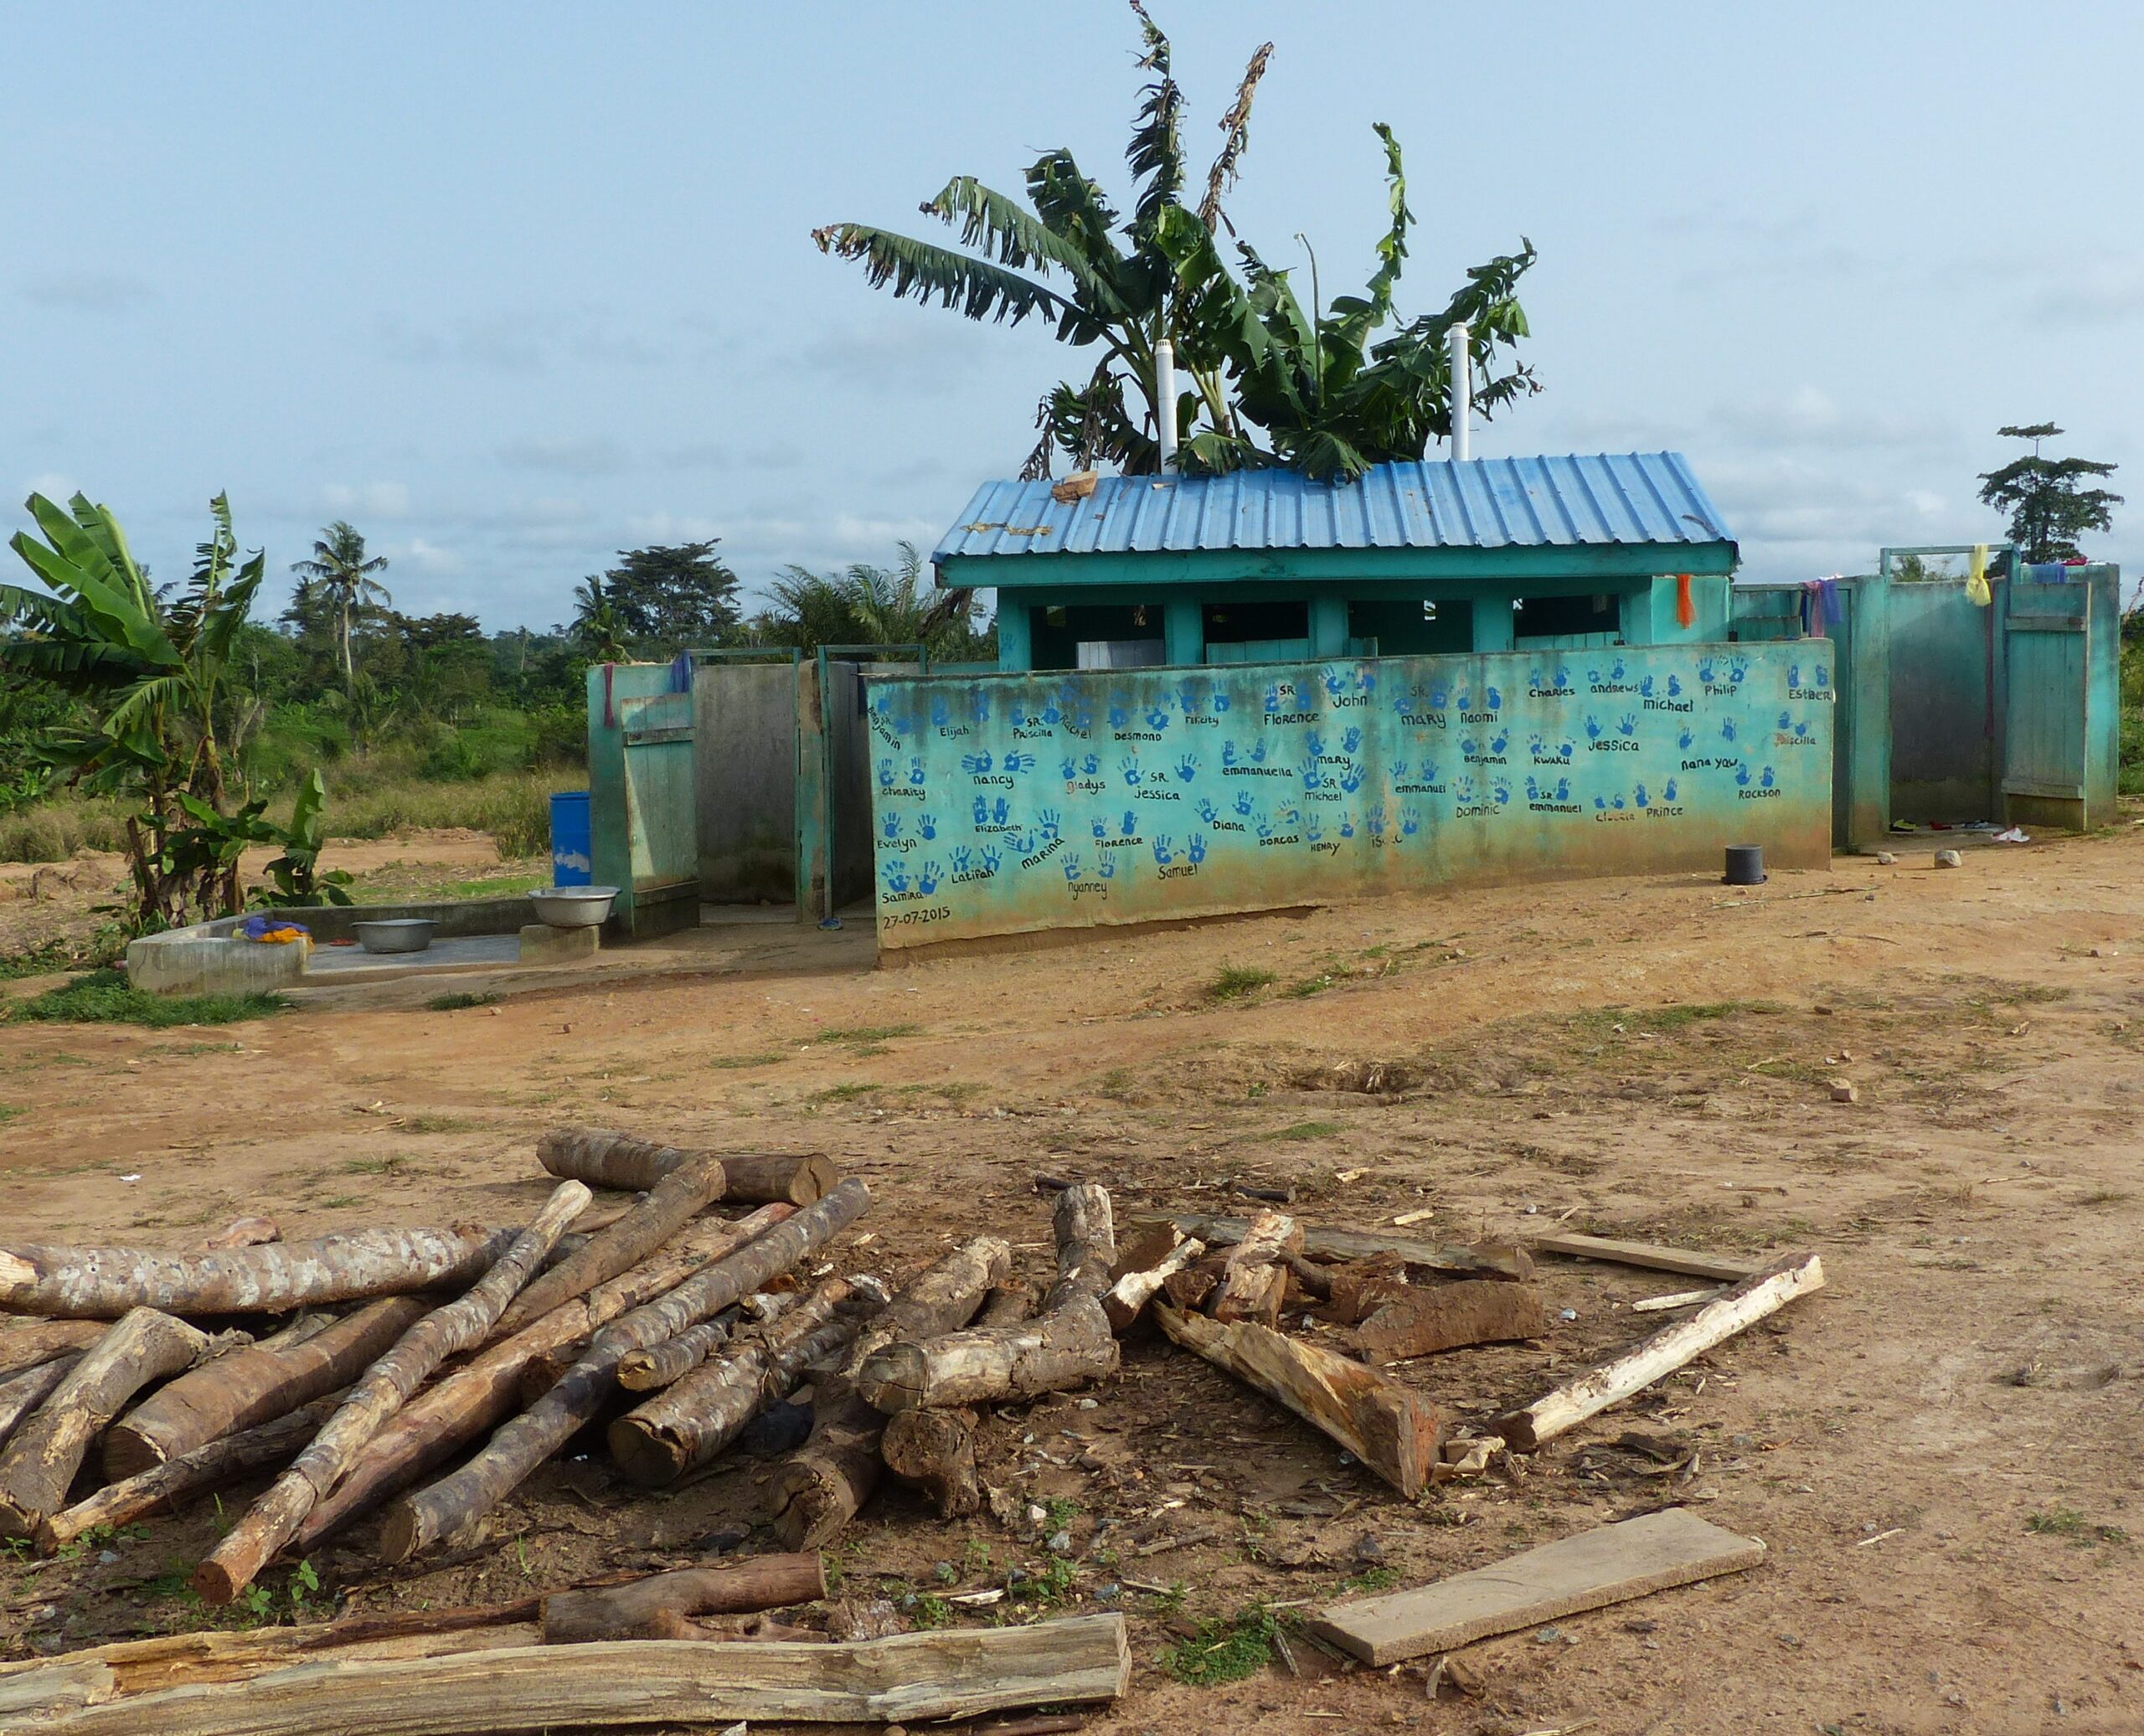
(544, 945)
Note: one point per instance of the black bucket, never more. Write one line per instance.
(1745, 865)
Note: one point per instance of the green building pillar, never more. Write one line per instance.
(1016, 647)
(1183, 631)
(1492, 622)
(1328, 626)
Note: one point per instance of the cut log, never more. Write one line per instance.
(1570, 1403)
(243, 1233)
(1649, 1255)
(1394, 1432)
(1444, 1316)
(679, 1196)
(236, 1392)
(1358, 1289)
(20, 1394)
(695, 1419)
(643, 1371)
(1060, 1348)
(524, 1443)
(608, 1159)
(55, 1686)
(649, 1608)
(1667, 1303)
(27, 1343)
(1609, 1564)
(1188, 1289)
(46, 1451)
(1127, 1298)
(384, 1389)
(1486, 1260)
(1007, 1302)
(1252, 1285)
(824, 1487)
(908, 1678)
(1085, 1229)
(209, 1465)
(934, 1451)
(1315, 1279)
(483, 1393)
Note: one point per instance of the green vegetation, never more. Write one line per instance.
(104, 998)
(456, 1002)
(1236, 982)
(866, 1033)
(1224, 1649)
(11, 1112)
(2068, 1522)
(2048, 505)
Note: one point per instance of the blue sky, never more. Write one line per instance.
(514, 286)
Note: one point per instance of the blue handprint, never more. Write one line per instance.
(1563, 789)
(1726, 728)
(990, 858)
(1535, 746)
(1593, 728)
(1101, 826)
(1312, 830)
(1410, 822)
(1023, 845)
(1737, 670)
(1265, 826)
(1742, 774)
(1532, 791)
(1313, 779)
(1242, 803)
(1220, 702)
(1438, 695)
(1272, 701)
(1501, 790)
(941, 713)
(926, 827)
(1334, 686)
(892, 828)
(1069, 767)
(1346, 825)
(1187, 768)
(1643, 799)
(1463, 790)
(1785, 718)
(962, 856)
(1107, 870)
(928, 877)
(1600, 803)
(1616, 673)
(1207, 810)
(1793, 678)
(1351, 741)
(1046, 821)
(1674, 687)
(1428, 771)
(1766, 780)
(1051, 716)
(1128, 769)
(1469, 746)
(885, 774)
(1365, 681)
(1157, 716)
(982, 706)
(1196, 850)
(1228, 753)
(1668, 792)
(1071, 868)
(896, 877)
(1351, 780)
(1495, 698)
(1500, 741)
(1001, 811)
(982, 811)
(1187, 699)
(1118, 716)
(1704, 672)
(1257, 753)
(1616, 803)
(1128, 826)
(1017, 762)
(1824, 676)
(1399, 771)
(1802, 730)
(1090, 765)
(1314, 744)
(1465, 701)
(976, 763)
(1685, 738)
(915, 775)
(1644, 689)
(1628, 726)
(1163, 854)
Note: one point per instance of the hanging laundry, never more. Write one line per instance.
(1820, 606)
(1976, 577)
(1686, 611)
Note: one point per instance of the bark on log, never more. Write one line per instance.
(21, 1395)
(27, 1343)
(1085, 1226)
(484, 1392)
(1316, 1280)
(1188, 1289)
(695, 1419)
(236, 1392)
(103, 1283)
(607, 1159)
(1060, 1348)
(822, 1487)
(644, 1608)
(910, 1678)
(1358, 1289)
(1443, 1316)
(42, 1458)
(934, 1451)
(643, 1371)
(1485, 1260)
(679, 1196)
(1007, 1303)
(208, 1466)
(243, 1233)
(516, 1450)
(1128, 1297)
(1392, 1431)
(1252, 1285)
(384, 1389)
(1764, 1293)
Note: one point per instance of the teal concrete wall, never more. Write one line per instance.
(1947, 703)
(1004, 804)
(641, 804)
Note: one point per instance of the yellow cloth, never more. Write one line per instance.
(1976, 577)
(282, 936)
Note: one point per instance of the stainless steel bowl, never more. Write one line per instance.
(573, 906)
(396, 933)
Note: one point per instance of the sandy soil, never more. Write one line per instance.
(1940, 1449)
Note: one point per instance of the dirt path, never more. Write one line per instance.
(1940, 1448)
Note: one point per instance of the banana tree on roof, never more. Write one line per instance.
(1268, 383)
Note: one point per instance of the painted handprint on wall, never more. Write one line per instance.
(926, 828)
(978, 764)
(1017, 763)
(1187, 768)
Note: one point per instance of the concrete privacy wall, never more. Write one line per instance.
(745, 774)
(1947, 675)
(1010, 803)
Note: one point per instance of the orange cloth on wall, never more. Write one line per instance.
(1686, 611)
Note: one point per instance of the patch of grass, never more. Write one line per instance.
(11, 1112)
(2067, 1522)
(1308, 1129)
(106, 997)
(1371, 1579)
(843, 1093)
(342, 1202)
(2102, 1196)
(1661, 1020)
(1224, 1649)
(107, 947)
(372, 1165)
(1118, 1082)
(436, 1123)
(1051, 1584)
(767, 1060)
(865, 1033)
(456, 1002)
(1236, 982)
(932, 1611)
(1310, 985)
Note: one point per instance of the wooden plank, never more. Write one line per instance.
(1650, 1256)
(1485, 1261)
(952, 1674)
(1609, 1564)
(1668, 1349)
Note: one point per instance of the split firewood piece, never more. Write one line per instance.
(1315, 1280)
(1253, 1283)
(209, 1465)
(934, 1451)
(1394, 1432)
(20, 1394)
(103, 1283)
(516, 1450)
(1188, 1289)
(27, 1343)
(384, 1389)
(607, 1159)
(1127, 1298)
(1649, 1255)
(484, 1392)
(243, 1232)
(1483, 1259)
(1013, 1300)
(1444, 1316)
(1764, 1292)
(675, 1199)
(45, 1452)
(828, 1479)
(1358, 1289)
(655, 1608)
(695, 1419)
(236, 1392)
(642, 1371)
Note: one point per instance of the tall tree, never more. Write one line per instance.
(1323, 390)
(596, 628)
(668, 599)
(2049, 504)
(865, 605)
(341, 577)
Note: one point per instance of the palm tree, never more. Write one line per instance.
(596, 625)
(864, 604)
(339, 575)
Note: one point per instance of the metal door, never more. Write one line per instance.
(2048, 647)
(660, 827)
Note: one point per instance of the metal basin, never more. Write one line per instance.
(398, 933)
(573, 906)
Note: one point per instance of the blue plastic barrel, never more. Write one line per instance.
(572, 841)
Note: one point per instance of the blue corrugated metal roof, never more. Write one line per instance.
(1582, 500)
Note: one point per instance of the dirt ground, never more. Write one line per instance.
(1940, 1449)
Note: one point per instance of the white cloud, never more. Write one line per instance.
(53, 486)
(374, 499)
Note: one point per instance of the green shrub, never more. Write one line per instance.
(106, 997)
(559, 736)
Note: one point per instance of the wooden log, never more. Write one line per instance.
(1066, 1346)
(934, 1451)
(1394, 1432)
(1444, 1316)
(41, 1458)
(516, 1449)
(1085, 1229)
(1649, 1255)
(826, 1482)
(643, 1371)
(644, 1608)
(1006, 1302)
(27, 1343)
(1315, 1279)
(607, 1159)
(1482, 1260)
(686, 1425)
(908, 1678)
(679, 1196)
(21, 1395)
(1575, 1400)
(1128, 1297)
(1188, 1289)
(1359, 1288)
(1252, 1284)
(243, 1233)
(484, 1392)
(249, 1386)
(55, 1686)
(209, 1465)
(103, 1283)
(1609, 1564)
(384, 1389)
